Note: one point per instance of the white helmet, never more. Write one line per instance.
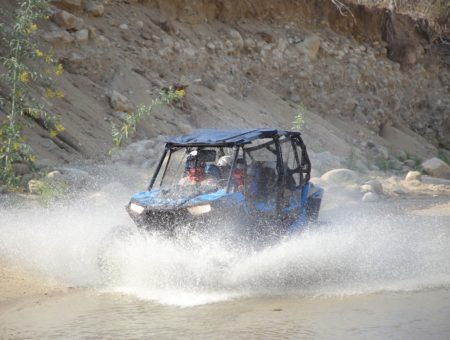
(224, 161)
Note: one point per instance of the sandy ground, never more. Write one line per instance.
(15, 283)
(440, 210)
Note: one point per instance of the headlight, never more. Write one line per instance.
(199, 209)
(136, 208)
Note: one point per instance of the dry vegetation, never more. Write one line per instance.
(436, 11)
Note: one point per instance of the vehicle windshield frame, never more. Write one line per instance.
(246, 148)
(167, 158)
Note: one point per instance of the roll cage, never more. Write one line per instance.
(245, 144)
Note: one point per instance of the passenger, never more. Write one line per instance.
(213, 171)
(224, 165)
(239, 175)
(261, 181)
(195, 171)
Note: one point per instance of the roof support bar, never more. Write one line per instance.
(155, 174)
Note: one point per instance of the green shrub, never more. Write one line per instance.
(299, 120)
(128, 128)
(351, 160)
(51, 191)
(443, 156)
(18, 101)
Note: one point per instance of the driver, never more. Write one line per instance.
(195, 171)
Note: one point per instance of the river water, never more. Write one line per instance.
(373, 270)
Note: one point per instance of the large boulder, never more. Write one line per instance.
(373, 186)
(94, 8)
(413, 176)
(67, 20)
(236, 40)
(76, 179)
(310, 46)
(436, 168)
(340, 176)
(119, 102)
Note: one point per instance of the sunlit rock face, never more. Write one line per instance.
(251, 64)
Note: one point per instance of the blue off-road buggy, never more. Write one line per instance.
(254, 178)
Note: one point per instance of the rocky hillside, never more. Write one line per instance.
(375, 86)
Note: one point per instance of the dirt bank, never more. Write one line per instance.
(363, 78)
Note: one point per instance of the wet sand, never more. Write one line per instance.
(17, 283)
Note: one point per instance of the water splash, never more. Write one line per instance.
(363, 252)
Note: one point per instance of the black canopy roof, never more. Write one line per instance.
(231, 137)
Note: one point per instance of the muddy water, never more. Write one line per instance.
(419, 315)
(372, 271)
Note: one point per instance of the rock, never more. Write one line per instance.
(410, 163)
(370, 197)
(94, 8)
(222, 87)
(366, 188)
(382, 150)
(349, 106)
(92, 33)
(210, 46)
(76, 178)
(399, 190)
(395, 164)
(436, 168)
(310, 46)
(340, 176)
(184, 128)
(104, 41)
(236, 39)
(190, 52)
(21, 168)
(413, 183)
(82, 36)
(67, 20)
(280, 48)
(54, 175)
(35, 186)
(58, 37)
(249, 44)
(119, 102)
(413, 176)
(123, 27)
(401, 155)
(376, 186)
